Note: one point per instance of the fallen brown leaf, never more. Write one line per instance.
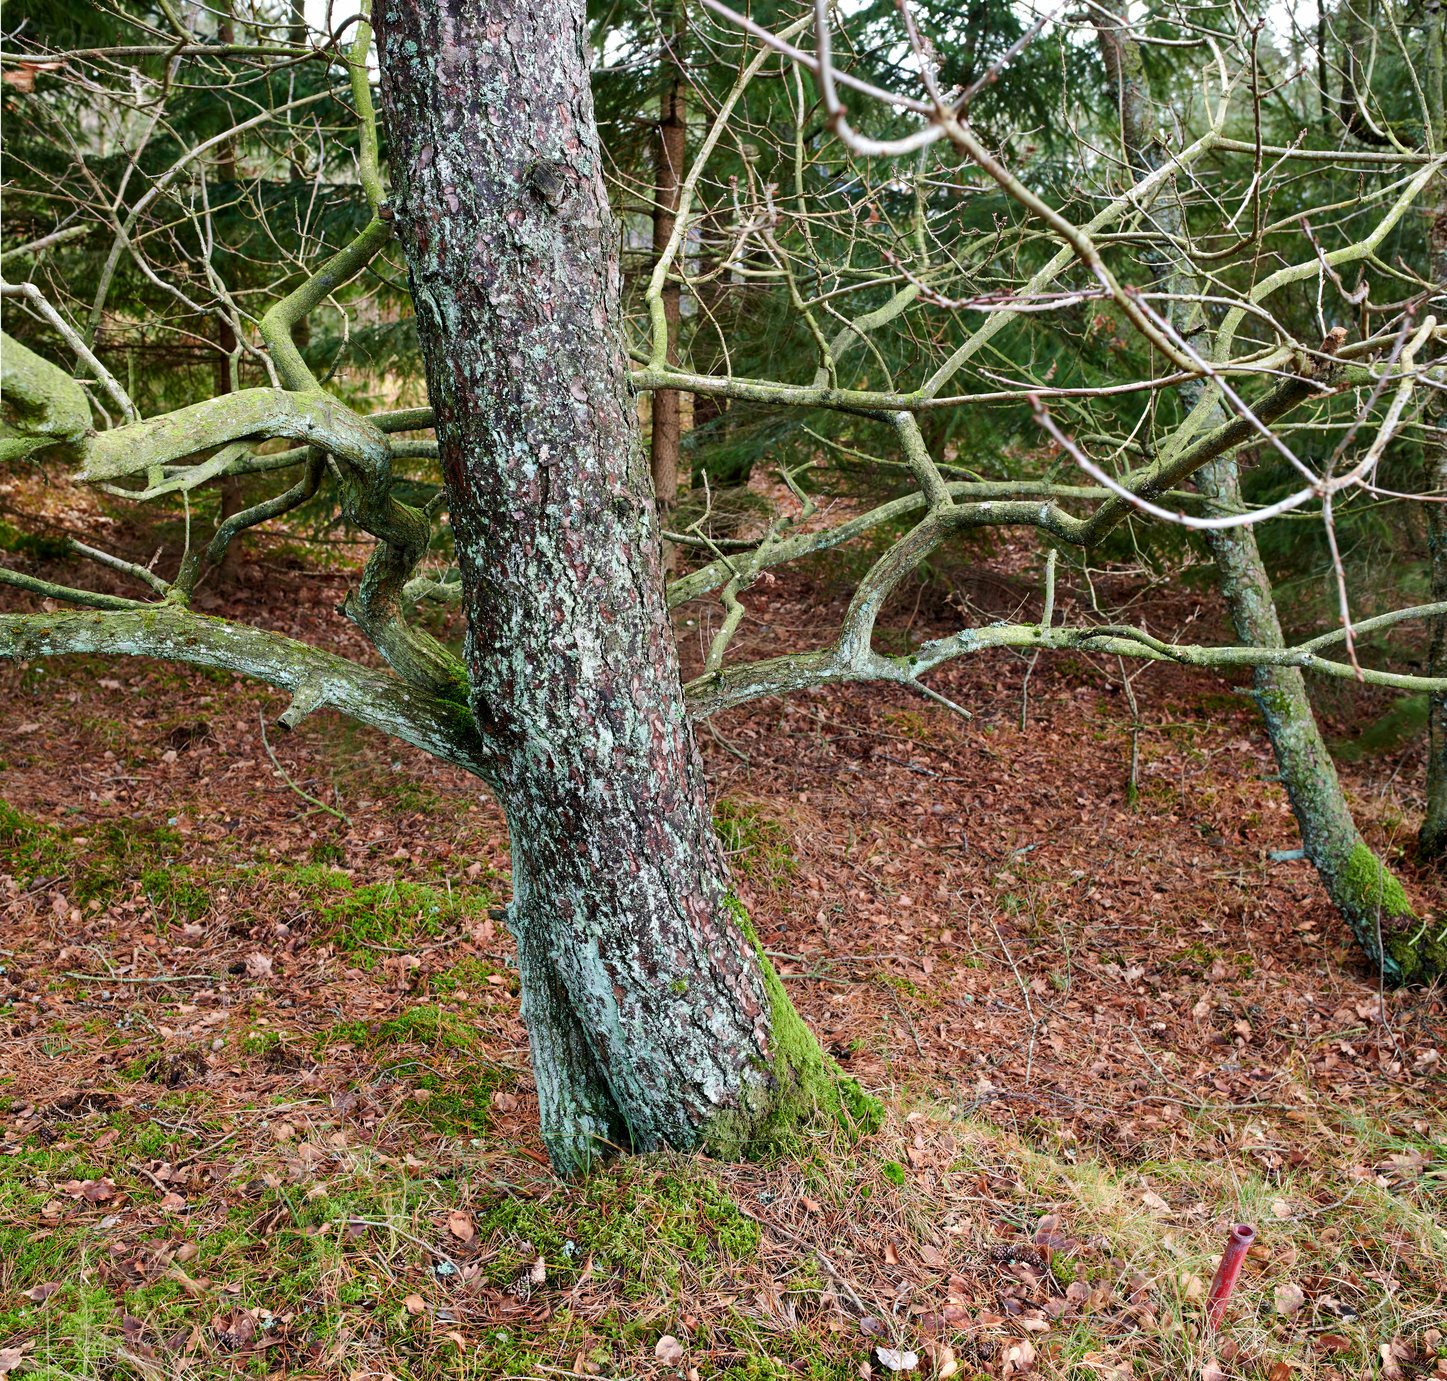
(11, 1357)
(460, 1226)
(1289, 1298)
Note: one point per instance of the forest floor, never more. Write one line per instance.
(265, 1104)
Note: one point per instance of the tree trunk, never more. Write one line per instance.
(653, 1018)
(231, 486)
(667, 430)
(1362, 889)
(226, 150)
(1357, 29)
(1432, 839)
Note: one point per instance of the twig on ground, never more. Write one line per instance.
(1025, 993)
(416, 1241)
(127, 978)
(726, 745)
(898, 1007)
(281, 772)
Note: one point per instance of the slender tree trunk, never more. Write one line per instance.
(1359, 884)
(226, 152)
(1357, 25)
(653, 1018)
(1369, 898)
(1432, 840)
(232, 493)
(232, 501)
(667, 429)
(1432, 837)
(296, 36)
(710, 298)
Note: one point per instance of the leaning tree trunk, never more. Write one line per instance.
(654, 1019)
(1360, 886)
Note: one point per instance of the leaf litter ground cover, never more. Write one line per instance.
(266, 1100)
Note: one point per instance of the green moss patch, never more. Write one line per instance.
(438, 1055)
(756, 843)
(645, 1221)
(92, 860)
(384, 914)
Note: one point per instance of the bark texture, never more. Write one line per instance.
(652, 1019)
(1369, 897)
(40, 406)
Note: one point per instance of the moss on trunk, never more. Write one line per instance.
(1371, 898)
(801, 1083)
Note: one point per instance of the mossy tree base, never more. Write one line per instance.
(786, 1085)
(1414, 949)
(1370, 899)
(800, 1084)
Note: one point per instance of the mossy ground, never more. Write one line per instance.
(315, 1244)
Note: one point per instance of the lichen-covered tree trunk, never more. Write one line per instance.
(653, 1019)
(1369, 897)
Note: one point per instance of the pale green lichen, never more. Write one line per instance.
(801, 1084)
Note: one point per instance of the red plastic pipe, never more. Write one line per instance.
(1237, 1245)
